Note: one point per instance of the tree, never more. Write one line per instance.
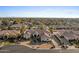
(22, 29)
(5, 22)
(17, 20)
(51, 29)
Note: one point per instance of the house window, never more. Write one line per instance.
(34, 35)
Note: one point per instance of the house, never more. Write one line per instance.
(61, 27)
(17, 26)
(27, 34)
(28, 23)
(69, 35)
(9, 34)
(37, 35)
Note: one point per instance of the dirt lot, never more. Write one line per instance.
(41, 46)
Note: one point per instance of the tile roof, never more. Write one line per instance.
(9, 32)
(17, 25)
(70, 35)
(41, 32)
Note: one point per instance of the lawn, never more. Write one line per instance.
(6, 43)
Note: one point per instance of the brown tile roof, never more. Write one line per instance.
(9, 32)
(70, 35)
(41, 32)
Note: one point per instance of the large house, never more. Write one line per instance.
(38, 35)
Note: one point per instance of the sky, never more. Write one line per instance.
(40, 11)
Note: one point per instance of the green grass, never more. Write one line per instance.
(6, 43)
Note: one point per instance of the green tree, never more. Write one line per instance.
(18, 20)
(51, 29)
(22, 29)
(5, 22)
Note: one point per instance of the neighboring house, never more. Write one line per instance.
(28, 23)
(70, 35)
(18, 26)
(6, 34)
(61, 27)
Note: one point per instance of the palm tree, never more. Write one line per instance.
(22, 30)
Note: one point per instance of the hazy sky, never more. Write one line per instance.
(39, 11)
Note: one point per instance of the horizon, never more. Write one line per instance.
(39, 17)
(40, 11)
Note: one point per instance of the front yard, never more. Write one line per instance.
(38, 46)
(6, 43)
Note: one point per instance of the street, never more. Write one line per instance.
(24, 49)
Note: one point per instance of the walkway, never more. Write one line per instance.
(25, 44)
(55, 43)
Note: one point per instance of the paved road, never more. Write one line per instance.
(24, 49)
